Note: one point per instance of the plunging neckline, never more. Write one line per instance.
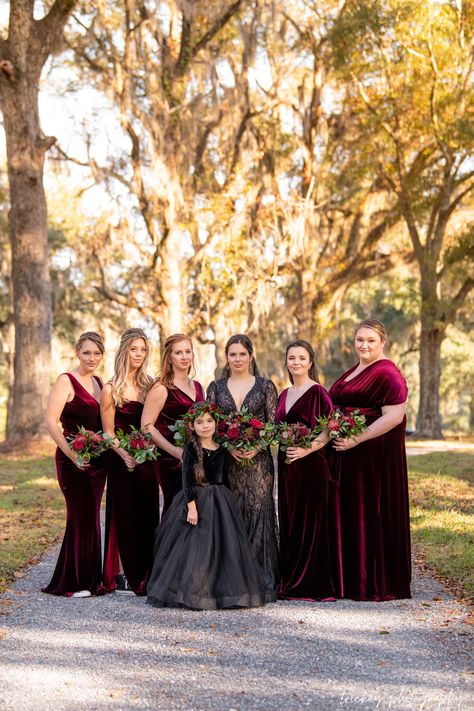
(239, 409)
(85, 389)
(380, 360)
(185, 393)
(297, 399)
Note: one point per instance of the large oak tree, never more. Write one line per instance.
(27, 44)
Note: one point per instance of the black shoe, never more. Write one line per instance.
(123, 586)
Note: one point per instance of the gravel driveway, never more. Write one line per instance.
(116, 652)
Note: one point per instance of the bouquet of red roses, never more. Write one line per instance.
(294, 435)
(88, 444)
(244, 432)
(343, 426)
(138, 444)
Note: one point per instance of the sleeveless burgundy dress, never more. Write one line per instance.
(176, 405)
(132, 511)
(306, 565)
(370, 514)
(79, 562)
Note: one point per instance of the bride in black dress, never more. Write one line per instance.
(202, 554)
(240, 386)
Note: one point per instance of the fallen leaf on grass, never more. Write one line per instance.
(301, 622)
(213, 626)
(438, 599)
(18, 574)
(212, 652)
(384, 632)
(3, 634)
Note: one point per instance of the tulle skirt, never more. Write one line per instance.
(209, 566)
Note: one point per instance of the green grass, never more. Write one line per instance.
(32, 513)
(442, 515)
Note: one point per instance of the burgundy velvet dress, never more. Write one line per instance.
(303, 495)
(79, 562)
(176, 405)
(132, 511)
(370, 515)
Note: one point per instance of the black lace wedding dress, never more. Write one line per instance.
(253, 484)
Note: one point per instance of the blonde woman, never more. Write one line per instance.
(132, 510)
(172, 394)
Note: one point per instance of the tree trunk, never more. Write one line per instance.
(30, 273)
(428, 423)
(22, 57)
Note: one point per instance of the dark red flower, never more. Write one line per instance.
(349, 421)
(256, 423)
(334, 426)
(79, 443)
(233, 432)
(303, 432)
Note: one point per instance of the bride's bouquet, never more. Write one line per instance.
(341, 426)
(88, 444)
(241, 431)
(138, 444)
(294, 435)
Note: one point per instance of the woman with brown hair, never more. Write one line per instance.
(371, 513)
(133, 501)
(172, 394)
(243, 386)
(304, 486)
(74, 401)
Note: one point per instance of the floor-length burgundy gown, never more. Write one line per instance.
(176, 405)
(132, 511)
(371, 515)
(303, 489)
(79, 563)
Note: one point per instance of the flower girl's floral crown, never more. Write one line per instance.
(203, 408)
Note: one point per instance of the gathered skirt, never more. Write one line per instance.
(208, 566)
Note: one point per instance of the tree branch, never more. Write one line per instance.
(218, 25)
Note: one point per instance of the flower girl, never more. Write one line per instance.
(203, 559)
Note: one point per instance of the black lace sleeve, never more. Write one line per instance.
(189, 477)
(271, 400)
(211, 395)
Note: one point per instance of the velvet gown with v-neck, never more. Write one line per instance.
(307, 569)
(132, 510)
(253, 484)
(371, 514)
(177, 403)
(79, 563)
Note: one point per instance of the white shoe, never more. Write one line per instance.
(82, 593)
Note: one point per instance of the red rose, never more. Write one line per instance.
(233, 432)
(349, 421)
(303, 432)
(334, 426)
(256, 423)
(79, 443)
(97, 438)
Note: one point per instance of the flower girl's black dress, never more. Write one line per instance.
(208, 566)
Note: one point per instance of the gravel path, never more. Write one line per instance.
(116, 652)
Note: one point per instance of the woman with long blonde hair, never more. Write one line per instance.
(132, 509)
(172, 394)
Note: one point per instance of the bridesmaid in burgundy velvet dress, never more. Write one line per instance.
(133, 500)
(371, 514)
(303, 486)
(173, 393)
(74, 401)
